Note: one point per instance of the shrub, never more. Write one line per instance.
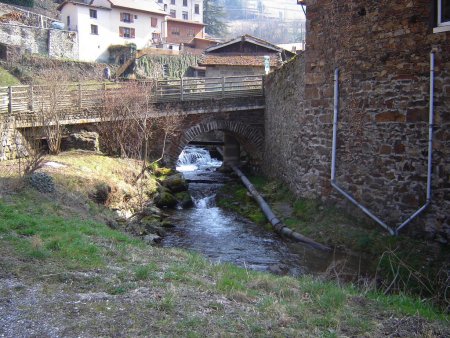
(26, 3)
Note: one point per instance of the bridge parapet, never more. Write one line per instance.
(83, 100)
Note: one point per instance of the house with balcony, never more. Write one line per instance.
(184, 26)
(102, 23)
(187, 10)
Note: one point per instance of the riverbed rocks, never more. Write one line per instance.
(165, 199)
(175, 183)
(149, 224)
(173, 192)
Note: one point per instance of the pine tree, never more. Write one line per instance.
(214, 17)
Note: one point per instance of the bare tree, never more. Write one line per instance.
(125, 126)
(169, 123)
(50, 98)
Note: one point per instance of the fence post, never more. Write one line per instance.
(223, 87)
(79, 96)
(10, 98)
(31, 105)
(181, 88)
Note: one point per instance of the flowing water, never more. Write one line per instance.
(224, 236)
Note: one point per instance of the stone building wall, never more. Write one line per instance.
(48, 42)
(382, 51)
(219, 71)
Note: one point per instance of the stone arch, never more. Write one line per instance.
(251, 138)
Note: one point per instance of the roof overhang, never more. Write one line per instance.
(247, 38)
(195, 23)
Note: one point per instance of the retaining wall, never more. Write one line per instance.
(382, 51)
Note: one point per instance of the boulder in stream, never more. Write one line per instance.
(184, 199)
(165, 199)
(152, 239)
(175, 183)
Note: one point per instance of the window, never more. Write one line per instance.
(173, 13)
(443, 16)
(160, 1)
(135, 17)
(176, 31)
(68, 22)
(126, 17)
(154, 22)
(185, 3)
(126, 32)
(172, 2)
(190, 32)
(185, 15)
(93, 13)
(156, 37)
(443, 12)
(197, 9)
(94, 29)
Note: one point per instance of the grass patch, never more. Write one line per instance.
(6, 79)
(38, 232)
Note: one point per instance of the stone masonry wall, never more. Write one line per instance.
(48, 42)
(382, 51)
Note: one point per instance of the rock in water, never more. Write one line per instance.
(152, 239)
(175, 183)
(165, 199)
(184, 199)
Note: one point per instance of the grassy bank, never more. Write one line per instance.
(401, 264)
(64, 272)
(6, 79)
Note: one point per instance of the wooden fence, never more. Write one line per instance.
(91, 97)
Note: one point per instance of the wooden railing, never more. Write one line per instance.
(86, 97)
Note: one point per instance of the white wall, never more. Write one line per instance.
(95, 47)
(179, 8)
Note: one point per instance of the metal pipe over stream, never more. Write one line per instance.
(276, 223)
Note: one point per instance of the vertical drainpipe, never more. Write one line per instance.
(335, 119)
(430, 147)
(333, 159)
(430, 154)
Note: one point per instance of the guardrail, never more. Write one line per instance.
(85, 97)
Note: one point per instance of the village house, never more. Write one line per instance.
(244, 55)
(167, 24)
(102, 23)
(188, 10)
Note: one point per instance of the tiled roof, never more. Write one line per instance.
(237, 60)
(185, 21)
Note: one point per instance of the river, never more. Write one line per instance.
(225, 236)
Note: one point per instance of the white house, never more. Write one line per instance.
(190, 10)
(101, 23)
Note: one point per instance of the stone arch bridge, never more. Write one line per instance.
(233, 106)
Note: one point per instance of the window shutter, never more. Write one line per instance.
(121, 16)
(131, 18)
(121, 32)
(132, 32)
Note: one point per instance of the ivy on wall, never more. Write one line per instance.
(170, 66)
(26, 3)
